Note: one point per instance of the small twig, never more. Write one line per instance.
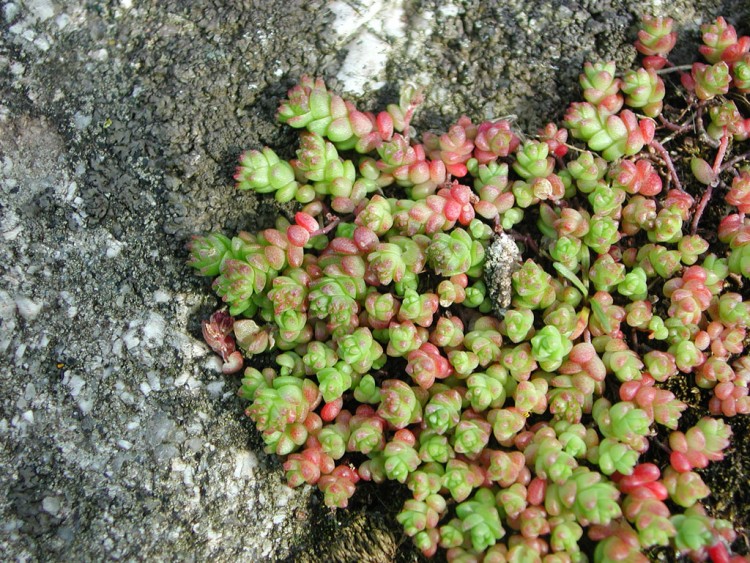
(668, 161)
(333, 222)
(684, 127)
(678, 129)
(730, 163)
(525, 239)
(666, 70)
(671, 69)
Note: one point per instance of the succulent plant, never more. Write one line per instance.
(515, 398)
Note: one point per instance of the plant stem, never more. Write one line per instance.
(679, 68)
(710, 188)
(668, 161)
(723, 143)
(701, 207)
(729, 163)
(673, 126)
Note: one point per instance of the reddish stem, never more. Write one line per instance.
(723, 144)
(673, 126)
(668, 162)
(525, 239)
(334, 221)
(701, 207)
(710, 188)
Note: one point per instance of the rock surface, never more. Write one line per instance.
(120, 126)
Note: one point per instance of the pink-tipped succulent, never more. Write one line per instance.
(655, 40)
(506, 345)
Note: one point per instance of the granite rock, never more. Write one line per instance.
(120, 126)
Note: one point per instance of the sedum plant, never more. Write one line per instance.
(498, 324)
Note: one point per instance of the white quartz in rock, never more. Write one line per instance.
(28, 308)
(51, 505)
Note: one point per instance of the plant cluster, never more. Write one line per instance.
(517, 398)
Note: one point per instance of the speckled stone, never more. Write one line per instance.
(120, 126)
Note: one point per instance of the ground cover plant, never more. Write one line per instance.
(503, 321)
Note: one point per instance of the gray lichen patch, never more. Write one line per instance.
(502, 259)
